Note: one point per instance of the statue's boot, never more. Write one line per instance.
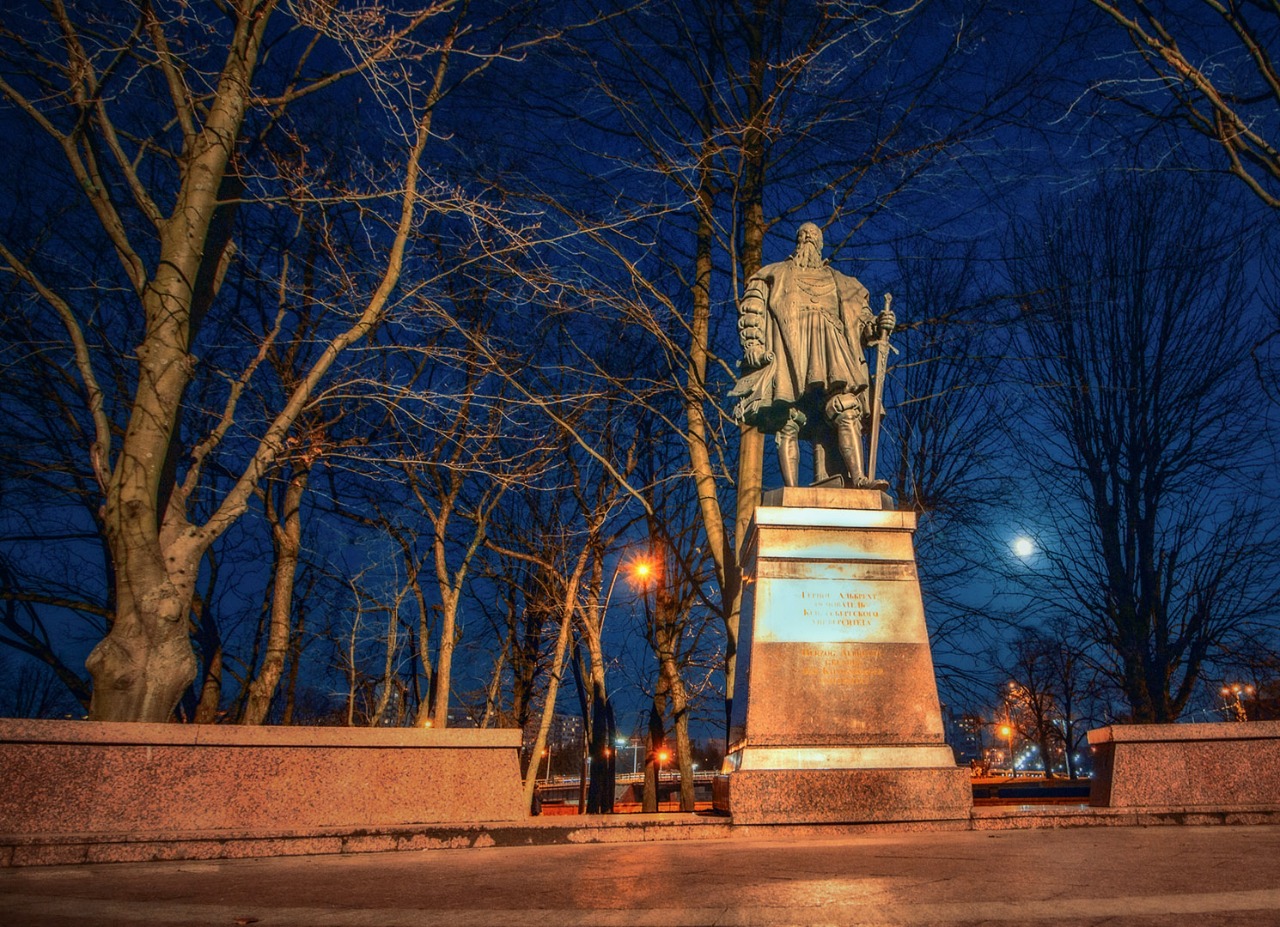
(848, 426)
(820, 471)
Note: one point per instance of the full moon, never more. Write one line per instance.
(1023, 547)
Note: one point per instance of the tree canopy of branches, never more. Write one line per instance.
(352, 350)
(1210, 68)
(706, 128)
(188, 149)
(1143, 445)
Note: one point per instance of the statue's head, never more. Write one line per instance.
(808, 246)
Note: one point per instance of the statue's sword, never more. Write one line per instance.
(883, 348)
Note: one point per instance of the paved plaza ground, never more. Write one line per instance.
(1196, 875)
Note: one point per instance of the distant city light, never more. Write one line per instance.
(1024, 547)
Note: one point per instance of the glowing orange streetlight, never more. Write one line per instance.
(662, 757)
(1006, 731)
(1233, 696)
(640, 571)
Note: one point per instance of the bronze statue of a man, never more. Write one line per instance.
(804, 329)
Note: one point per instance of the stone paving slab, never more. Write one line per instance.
(1204, 876)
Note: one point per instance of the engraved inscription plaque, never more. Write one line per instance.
(817, 610)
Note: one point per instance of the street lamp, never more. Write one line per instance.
(640, 569)
(1233, 695)
(635, 752)
(662, 757)
(1006, 731)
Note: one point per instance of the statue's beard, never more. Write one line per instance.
(807, 255)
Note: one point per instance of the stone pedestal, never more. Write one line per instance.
(835, 715)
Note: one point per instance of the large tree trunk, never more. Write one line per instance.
(667, 631)
(1046, 753)
(444, 658)
(391, 648)
(567, 605)
(599, 710)
(286, 536)
(295, 658)
(604, 755)
(451, 584)
(751, 440)
(548, 711)
(145, 663)
(680, 717)
(656, 742)
(211, 692)
(728, 572)
(1068, 745)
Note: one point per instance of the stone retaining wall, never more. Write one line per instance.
(1227, 766)
(80, 783)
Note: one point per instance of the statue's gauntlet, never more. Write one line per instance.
(870, 331)
(751, 323)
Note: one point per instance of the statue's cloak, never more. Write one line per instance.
(815, 334)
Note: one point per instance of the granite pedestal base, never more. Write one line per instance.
(844, 796)
(835, 715)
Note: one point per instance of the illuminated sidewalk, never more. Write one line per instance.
(1080, 875)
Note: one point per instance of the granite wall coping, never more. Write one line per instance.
(1179, 733)
(228, 735)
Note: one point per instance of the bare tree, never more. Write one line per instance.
(458, 482)
(174, 128)
(740, 118)
(1142, 444)
(676, 629)
(1211, 69)
(1051, 691)
(33, 689)
(1029, 699)
(942, 393)
(372, 639)
(557, 538)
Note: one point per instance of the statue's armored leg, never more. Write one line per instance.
(845, 412)
(788, 441)
(848, 427)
